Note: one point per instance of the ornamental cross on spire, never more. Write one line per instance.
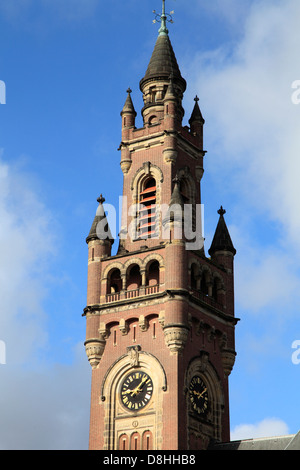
(163, 18)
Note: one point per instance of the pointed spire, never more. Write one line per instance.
(100, 228)
(163, 61)
(128, 107)
(170, 93)
(176, 198)
(196, 115)
(176, 205)
(221, 240)
(163, 30)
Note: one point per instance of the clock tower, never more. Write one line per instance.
(160, 312)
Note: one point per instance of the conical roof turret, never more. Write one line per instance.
(128, 107)
(100, 228)
(196, 115)
(163, 64)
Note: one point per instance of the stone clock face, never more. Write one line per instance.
(198, 396)
(136, 390)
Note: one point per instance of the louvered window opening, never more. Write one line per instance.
(147, 212)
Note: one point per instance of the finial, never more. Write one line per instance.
(101, 199)
(221, 211)
(163, 18)
(196, 99)
(129, 90)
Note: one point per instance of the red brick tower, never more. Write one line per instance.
(160, 313)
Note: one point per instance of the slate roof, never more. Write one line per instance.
(221, 240)
(102, 230)
(290, 442)
(163, 63)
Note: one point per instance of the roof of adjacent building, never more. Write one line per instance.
(290, 442)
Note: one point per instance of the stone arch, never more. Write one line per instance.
(147, 170)
(154, 264)
(201, 366)
(131, 261)
(154, 256)
(134, 280)
(117, 417)
(145, 219)
(110, 267)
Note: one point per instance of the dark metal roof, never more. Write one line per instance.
(163, 63)
(100, 228)
(221, 240)
(290, 442)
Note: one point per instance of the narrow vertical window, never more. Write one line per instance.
(123, 442)
(147, 212)
(147, 443)
(93, 254)
(115, 337)
(135, 441)
(134, 333)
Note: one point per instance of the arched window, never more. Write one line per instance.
(153, 274)
(147, 212)
(135, 441)
(187, 191)
(114, 283)
(215, 288)
(194, 270)
(203, 285)
(123, 442)
(134, 278)
(147, 443)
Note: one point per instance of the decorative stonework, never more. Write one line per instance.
(123, 326)
(170, 155)
(125, 166)
(143, 323)
(119, 420)
(94, 349)
(201, 431)
(228, 360)
(133, 354)
(176, 338)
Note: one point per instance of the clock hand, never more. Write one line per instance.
(199, 394)
(138, 388)
(126, 392)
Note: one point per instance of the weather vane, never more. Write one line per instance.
(163, 18)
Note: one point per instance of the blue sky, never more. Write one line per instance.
(66, 65)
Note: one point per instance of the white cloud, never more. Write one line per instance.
(46, 408)
(26, 245)
(42, 405)
(252, 137)
(268, 427)
(251, 123)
